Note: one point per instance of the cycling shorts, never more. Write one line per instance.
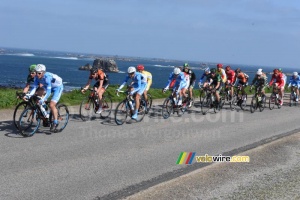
(57, 91)
(104, 86)
(192, 85)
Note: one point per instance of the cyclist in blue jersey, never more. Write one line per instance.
(52, 84)
(139, 85)
(295, 80)
(177, 81)
(203, 77)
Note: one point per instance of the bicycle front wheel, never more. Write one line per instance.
(272, 101)
(121, 112)
(142, 110)
(106, 106)
(29, 122)
(62, 117)
(149, 101)
(233, 102)
(17, 113)
(262, 103)
(244, 102)
(206, 104)
(253, 105)
(87, 109)
(167, 108)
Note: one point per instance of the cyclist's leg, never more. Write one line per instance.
(57, 91)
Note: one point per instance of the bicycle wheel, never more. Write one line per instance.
(29, 122)
(121, 112)
(149, 102)
(141, 110)
(253, 105)
(17, 113)
(62, 117)
(106, 106)
(233, 102)
(206, 103)
(167, 108)
(201, 96)
(244, 102)
(262, 103)
(87, 109)
(272, 101)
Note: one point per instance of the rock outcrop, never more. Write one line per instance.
(107, 65)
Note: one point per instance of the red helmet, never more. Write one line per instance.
(219, 65)
(227, 68)
(140, 67)
(276, 71)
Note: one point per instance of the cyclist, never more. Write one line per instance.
(222, 73)
(30, 79)
(52, 84)
(204, 75)
(178, 82)
(100, 85)
(279, 83)
(191, 84)
(284, 76)
(214, 79)
(141, 69)
(230, 79)
(295, 80)
(241, 79)
(139, 84)
(260, 80)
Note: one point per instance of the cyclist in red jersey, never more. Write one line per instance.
(230, 78)
(279, 83)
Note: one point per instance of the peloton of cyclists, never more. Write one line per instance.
(177, 82)
(295, 81)
(100, 85)
(278, 78)
(139, 84)
(191, 84)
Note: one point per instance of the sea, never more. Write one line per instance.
(14, 65)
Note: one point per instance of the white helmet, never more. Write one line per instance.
(131, 69)
(207, 70)
(177, 71)
(295, 73)
(259, 73)
(40, 68)
(259, 70)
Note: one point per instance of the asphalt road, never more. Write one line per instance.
(101, 160)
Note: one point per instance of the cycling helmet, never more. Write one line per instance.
(275, 71)
(295, 73)
(207, 70)
(131, 70)
(94, 70)
(227, 68)
(238, 70)
(219, 65)
(176, 70)
(280, 69)
(32, 68)
(40, 68)
(140, 67)
(259, 73)
(259, 70)
(185, 65)
(213, 71)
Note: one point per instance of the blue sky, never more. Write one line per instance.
(258, 32)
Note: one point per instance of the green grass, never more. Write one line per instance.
(8, 96)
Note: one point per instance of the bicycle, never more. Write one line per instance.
(126, 108)
(170, 106)
(226, 97)
(202, 94)
(293, 96)
(237, 99)
(149, 101)
(258, 100)
(209, 101)
(32, 116)
(90, 105)
(274, 99)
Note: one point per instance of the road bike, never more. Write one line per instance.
(202, 93)
(227, 98)
(127, 106)
(274, 98)
(209, 101)
(258, 100)
(239, 99)
(19, 108)
(170, 106)
(293, 96)
(90, 105)
(149, 101)
(32, 116)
